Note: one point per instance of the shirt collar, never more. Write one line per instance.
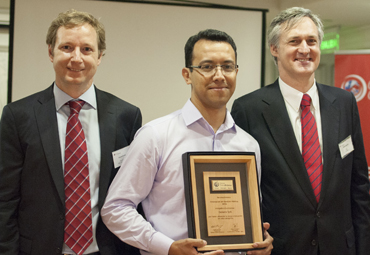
(293, 97)
(191, 114)
(228, 123)
(61, 98)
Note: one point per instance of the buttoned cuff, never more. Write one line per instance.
(160, 244)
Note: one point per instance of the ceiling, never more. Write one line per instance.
(332, 12)
(335, 12)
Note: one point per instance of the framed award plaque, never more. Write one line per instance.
(223, 200)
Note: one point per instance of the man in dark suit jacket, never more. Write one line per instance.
(32, 139)
(337, 219)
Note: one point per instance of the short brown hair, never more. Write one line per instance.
(208, 34)
(73, 18)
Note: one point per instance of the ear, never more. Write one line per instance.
(50, 51)
(274, 50)
(100, 58)
(186, 75)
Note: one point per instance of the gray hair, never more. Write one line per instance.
(291, 17)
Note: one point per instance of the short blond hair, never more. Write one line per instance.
(71, 19)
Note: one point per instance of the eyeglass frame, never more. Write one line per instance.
(215, 68)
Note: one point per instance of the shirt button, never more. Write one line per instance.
(313, 242)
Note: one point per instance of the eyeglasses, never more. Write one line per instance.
(209, 70)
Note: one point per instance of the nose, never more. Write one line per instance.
(76, 55)
(218, 76)
(303, 47)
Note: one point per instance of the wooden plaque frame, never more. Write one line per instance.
(227, 215)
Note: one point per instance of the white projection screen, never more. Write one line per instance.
(145, 48)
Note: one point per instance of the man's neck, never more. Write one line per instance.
(74, 91)
(214, 117)
(302, 84)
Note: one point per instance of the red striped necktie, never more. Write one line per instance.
(311, 150)
(78, 222)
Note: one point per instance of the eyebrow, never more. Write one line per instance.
(297, 37)
(71, 42)
(211, 61)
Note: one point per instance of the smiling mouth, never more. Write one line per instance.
(218, 88)
(303, 59)
(75, 70)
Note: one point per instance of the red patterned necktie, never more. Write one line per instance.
(311, 150)
(78, 222)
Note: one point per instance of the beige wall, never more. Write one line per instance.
(351, 37)
(145, 49)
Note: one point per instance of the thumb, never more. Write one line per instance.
(199, 243)
(266, 225)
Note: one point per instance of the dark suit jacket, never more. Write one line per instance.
(340, 223)
(31, 172)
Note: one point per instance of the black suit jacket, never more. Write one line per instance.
(32, 203)
(340, 222)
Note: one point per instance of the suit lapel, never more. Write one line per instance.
(107, 130)
(330, 127)
(278, 121)
(45, 114)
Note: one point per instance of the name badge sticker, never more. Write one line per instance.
(346, 147)
(119, 155)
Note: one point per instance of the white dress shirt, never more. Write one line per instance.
(89, 120)
(152, 173)
(292, 99)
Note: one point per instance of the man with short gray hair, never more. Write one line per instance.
(314, 184)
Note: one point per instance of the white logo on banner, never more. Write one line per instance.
(355, 84)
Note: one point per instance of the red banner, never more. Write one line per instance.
(352, 73)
